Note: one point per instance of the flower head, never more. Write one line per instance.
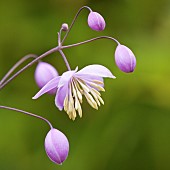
(96, 21)
(72, 85)
(44, 73)
(56, 146)
(125, 59)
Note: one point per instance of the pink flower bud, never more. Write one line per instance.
(64, 27)
(125, 59)
(96, 21)
(44, 73)
(56, 146)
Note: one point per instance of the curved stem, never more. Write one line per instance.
(27, 113)
(16, 65)
(29, 65)
(65, 59)
(90, 40)
(59, 38)
(74, 21)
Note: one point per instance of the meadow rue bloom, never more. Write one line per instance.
(56, 146)
(44, 73)
(125, 59)
(96, 21)
(71, 85)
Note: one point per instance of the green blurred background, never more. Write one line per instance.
(132, 130)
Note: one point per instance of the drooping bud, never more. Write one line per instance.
(44, 73)
(96, 21)
(56, 146)
(125, 59)
(64, 27)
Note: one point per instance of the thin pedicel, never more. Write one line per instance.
(27, 113)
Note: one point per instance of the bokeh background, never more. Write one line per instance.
(132, 130)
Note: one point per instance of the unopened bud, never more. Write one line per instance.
(44, 73)
(96, 21)
(56, 146)
(125, 59)
(64, 27)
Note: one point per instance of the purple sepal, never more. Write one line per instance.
(96, 21)
(125, 59)
(44, 73)
(56, 146)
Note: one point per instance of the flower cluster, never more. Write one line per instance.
(71, 87)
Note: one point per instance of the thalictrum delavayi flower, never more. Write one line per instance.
(72, 85)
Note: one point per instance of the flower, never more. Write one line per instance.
(96, 21)
(44, 73)
(56, 146)
(72, 85)
(125, 59)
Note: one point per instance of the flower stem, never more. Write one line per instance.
(74, 21)
(65, 59)
(17, 65)
(90, 40)
(29, 65)
(27, 113)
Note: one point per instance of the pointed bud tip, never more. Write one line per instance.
(125, 59)
(96, 21)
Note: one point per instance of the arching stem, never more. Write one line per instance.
(27, 113)
(29, 65)
(74, 21)
(90, 40)
(17, 65)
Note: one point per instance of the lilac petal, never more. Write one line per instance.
(90, 78)
(95, 70)
(65, 77)
(49, 86)
(63, 87)
(61, 95)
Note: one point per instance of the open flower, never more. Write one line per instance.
(72, 85)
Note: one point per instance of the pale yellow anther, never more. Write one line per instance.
(78, 90)
(80, 111)
(91, 101)
(66, 103)
(78, 87)
(85, 88)
(98, 82)
(101, 100)
(97, 86)
(95, 91)
(95, 97)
